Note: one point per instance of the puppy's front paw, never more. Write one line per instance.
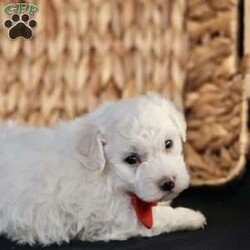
(191, 219)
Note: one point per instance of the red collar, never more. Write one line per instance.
(143, 211)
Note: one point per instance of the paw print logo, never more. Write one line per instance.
(20, 26)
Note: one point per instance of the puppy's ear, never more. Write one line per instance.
(89, 146)
(179, 120)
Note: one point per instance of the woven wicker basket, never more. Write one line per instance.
(215, 104)
(85, 52)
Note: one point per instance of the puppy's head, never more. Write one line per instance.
(142, 149)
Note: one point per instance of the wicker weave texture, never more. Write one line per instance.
(214, 95)
(87, 52)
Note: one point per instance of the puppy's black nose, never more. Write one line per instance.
(167, 186)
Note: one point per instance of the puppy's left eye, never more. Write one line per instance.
(168, 144)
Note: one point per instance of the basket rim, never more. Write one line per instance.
(241, 164)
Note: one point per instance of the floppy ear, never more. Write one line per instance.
(179, 120)
(89, 147)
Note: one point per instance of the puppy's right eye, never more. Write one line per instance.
(132, 159)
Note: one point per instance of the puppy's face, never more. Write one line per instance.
(144, 152)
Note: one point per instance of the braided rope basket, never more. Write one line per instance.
(215, 104)
(87, 52)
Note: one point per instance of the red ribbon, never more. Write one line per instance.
(144, 211)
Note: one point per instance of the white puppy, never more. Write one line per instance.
(98, 177)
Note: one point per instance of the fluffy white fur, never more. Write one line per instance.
(71, 181)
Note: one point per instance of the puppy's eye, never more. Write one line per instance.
(168, 144)
(132, 159)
